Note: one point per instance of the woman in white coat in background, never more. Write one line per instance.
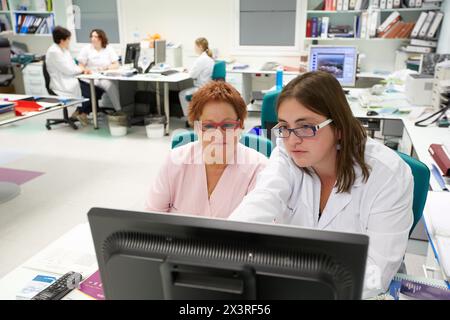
(97, 57)
(201, 72)
(62, 67)
(327, 174)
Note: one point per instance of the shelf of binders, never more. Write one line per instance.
(381, 10)
(356, 39)
(34, 23)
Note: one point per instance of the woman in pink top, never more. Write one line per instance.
(209, 177)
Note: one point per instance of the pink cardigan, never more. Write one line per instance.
(181, 186)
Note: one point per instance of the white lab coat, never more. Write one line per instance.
(98, 60)
(63, 71)
(201, 72)
(381, 208)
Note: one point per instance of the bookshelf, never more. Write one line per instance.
(354, 19)
(27, 17)
(385, 54)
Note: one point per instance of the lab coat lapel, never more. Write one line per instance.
(336, 204)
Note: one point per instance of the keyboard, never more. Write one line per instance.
(169, 72)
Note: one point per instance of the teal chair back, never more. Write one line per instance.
(268, 109)
(258, 143)
(219, 71)
(421, 175)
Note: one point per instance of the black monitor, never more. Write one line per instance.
(150, 256)
(132, 54)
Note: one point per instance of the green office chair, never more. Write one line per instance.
(260, 144)
(269, 116)
(268, 110)
(219, 71)
(219, 74)
(421, 175)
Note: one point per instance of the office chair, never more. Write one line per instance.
(258, 143)
(219, 71)
(269, 117)
(65, 119)
(219, 74)
(6, 68)
(421, 175)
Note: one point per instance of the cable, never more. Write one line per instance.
(441, 113)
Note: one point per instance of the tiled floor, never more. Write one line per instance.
(81, 170)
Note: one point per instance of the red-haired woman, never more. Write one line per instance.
(209, 177)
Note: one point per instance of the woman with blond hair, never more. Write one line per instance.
(201, 72)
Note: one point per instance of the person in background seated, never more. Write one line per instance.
(209, 177)
(62, 67)
(97, 57)
(326, 174)
(201, 71)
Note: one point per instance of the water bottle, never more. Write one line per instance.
(280, 78)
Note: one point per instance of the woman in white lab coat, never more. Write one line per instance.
(327, 174)
(62, 67)
(201, 72)
(97, 57)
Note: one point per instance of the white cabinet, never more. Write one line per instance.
(33, 80)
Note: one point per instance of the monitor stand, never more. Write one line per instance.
(8, 191)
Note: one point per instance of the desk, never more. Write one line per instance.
(74, 250)
(9, 191)
(150, 77)
(415, 139)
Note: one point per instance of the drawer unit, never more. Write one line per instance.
(33, 80)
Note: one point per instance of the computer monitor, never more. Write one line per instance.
(160, 51)
(340, 61)
(150, 256)
(132, 54)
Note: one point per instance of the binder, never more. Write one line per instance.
(389, 22)
(418, 3)
(441, 157)
(435, 25)
(383, 4)
(339, 5)
(324, 28)
(426, 26)
(345, 5)
(389, 4)
(419, 24)
(352, 5)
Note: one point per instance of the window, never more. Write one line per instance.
(268, 24)
(97, 14)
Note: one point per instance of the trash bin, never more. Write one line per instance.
(154, 126)
(118, 124)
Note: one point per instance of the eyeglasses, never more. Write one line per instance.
(304, 131)
(224, 125)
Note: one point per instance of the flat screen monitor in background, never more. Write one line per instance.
(160, 51)
(149, 256)
(340, 61)
(132, 54)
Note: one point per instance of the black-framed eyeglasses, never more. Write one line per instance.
(305, 131)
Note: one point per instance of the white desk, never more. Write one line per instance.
(415, 138)
(74, 251)
(150, 77)
(9, 191)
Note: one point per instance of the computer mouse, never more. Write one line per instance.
(372, 113)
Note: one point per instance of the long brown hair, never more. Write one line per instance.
(204, 45)
(102, 36)
(321, 93)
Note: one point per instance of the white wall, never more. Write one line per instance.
(182, 21)
(444, 38)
